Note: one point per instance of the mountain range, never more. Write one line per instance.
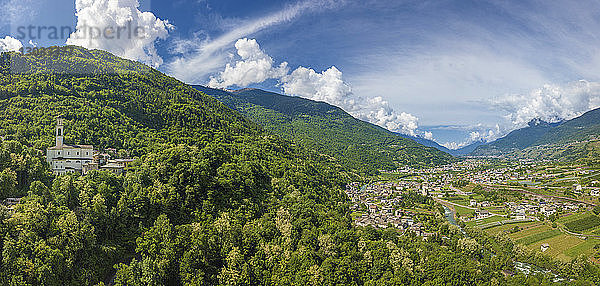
(365, 146)
(329, 129)
(206, 181)
(226, 188)
(541, 135)
(212, 197)
(454, 152)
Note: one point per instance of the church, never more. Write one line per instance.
(65, 158)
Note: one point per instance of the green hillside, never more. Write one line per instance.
(516, 140)
(540, 140)
(211, 200)
(319, 126)
(580, 128)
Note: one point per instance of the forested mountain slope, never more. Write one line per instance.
(577, 129)
(551, 137)
(328, 129)
(211, 200)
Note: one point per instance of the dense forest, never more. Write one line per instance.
(212, 198)
(356, 144)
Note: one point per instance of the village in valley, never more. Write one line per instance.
(547, 206)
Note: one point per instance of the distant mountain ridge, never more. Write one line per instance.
(454, 152)
(540, 133)
(320, 126)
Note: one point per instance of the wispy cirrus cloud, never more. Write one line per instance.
(201, 58)
(17, 10)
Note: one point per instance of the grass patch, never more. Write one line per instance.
(585, 248)
(463, 212)
(539, 237)
(584, 223)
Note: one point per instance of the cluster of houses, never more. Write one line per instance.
(546, 207)
(523, 171)
(376, 203)
(64, 158)
(592, 191)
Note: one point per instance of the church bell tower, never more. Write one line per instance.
(59, 132)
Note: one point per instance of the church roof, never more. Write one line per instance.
(65, 146)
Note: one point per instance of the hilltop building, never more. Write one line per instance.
(65, 158)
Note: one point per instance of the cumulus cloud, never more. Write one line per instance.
(485, 135)
(551, 103)
(118, 26)
(255, 66)
(428, 135)
(452, 145)
(478, 133)
(10, 44)
(328, 86)
(379, 111)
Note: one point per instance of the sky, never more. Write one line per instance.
(452, 71)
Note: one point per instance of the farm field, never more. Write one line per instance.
(563, 246)
(485, 220)
(509, 227)
(569, 218)
(584, 223)
(540, 236)
(559, 246)
(531, 231)
(463, 212)
(586, 248)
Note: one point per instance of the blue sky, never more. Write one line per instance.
(466, 69)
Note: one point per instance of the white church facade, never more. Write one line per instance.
(65, 158)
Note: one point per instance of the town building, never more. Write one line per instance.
(65, 158)
(481, 214)
(520, 216)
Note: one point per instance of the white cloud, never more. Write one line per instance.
(118, 26)
(10, 44)
(452, 145)
(328, 86)
(551, 102)
(428, 135)
(477, 133)
(200, 58)
(255, 67)
(379, 111)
